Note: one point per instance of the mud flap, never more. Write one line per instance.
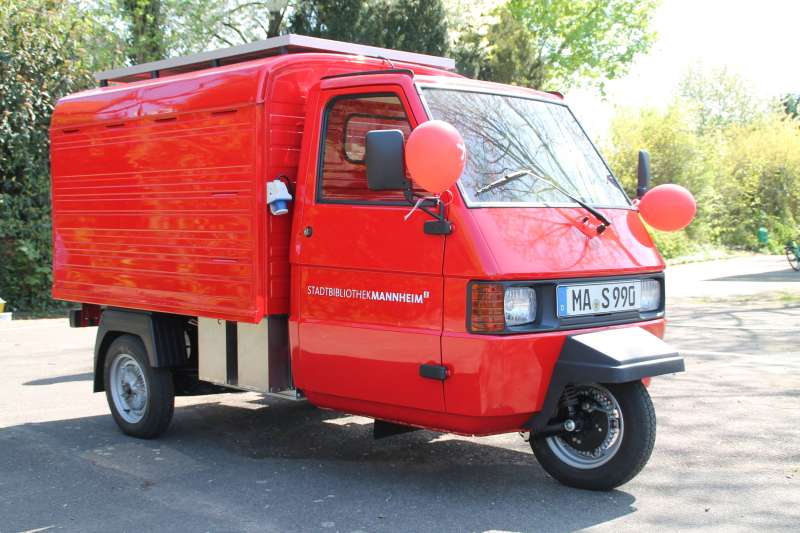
(609, 356)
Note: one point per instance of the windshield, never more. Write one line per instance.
(506, 134)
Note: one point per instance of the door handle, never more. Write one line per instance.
(436, 372)
(307, 231)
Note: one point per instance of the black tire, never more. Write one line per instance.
(159, 403)
(638, 439)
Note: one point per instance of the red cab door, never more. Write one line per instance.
(370, 282)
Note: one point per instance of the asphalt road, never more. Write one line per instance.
(727, 455)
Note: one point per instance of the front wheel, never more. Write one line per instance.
(142, 398)
(613, 437)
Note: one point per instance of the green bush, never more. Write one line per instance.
(743, 175)
(759, 183)
(675, 244)
(677, 155)
(42, 58)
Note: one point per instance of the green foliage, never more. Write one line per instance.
(338, 19)
(741, 162)
(149, 30)
(760, 183)
(196, 25)
(154, 29)
(138, 31)
(44, 56)
(674, 244)
(557, 43)
(791, 105)
(411, 25)
(717, 98)
(231, 22)
(677, 155)
(146, 39)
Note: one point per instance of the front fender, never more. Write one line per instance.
(610, 356)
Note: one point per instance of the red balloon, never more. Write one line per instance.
(668, 207)
(435, 155)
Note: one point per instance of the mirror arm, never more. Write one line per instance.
(440, 225)
(412, 197)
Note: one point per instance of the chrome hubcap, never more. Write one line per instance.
(599, 435)
(128, 388)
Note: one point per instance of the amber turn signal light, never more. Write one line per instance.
(487, 308)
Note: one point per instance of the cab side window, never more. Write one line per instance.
(343, 173)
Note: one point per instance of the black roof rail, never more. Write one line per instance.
(406, 71)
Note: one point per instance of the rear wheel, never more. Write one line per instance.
(791, 255)
(141, 398)
(613, 437)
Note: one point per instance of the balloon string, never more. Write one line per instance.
(419, 203)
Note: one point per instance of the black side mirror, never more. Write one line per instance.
(643, 173)
(386, 169)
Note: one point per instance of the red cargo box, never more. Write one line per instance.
(159, 194)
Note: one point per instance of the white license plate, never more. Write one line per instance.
(598, 298)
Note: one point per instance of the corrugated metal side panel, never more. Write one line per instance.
(286, 110)
(157, 207)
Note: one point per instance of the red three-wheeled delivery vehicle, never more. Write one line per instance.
(366, 230)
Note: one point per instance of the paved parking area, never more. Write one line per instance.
(727, 455)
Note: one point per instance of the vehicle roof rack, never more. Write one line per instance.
(283, 44)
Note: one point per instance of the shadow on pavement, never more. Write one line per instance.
(86, 376)
(780, 276)
(278, 463)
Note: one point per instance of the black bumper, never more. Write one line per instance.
(609, 356)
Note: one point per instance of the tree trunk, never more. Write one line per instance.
(146, 30)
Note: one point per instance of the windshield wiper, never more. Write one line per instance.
(511, 176)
